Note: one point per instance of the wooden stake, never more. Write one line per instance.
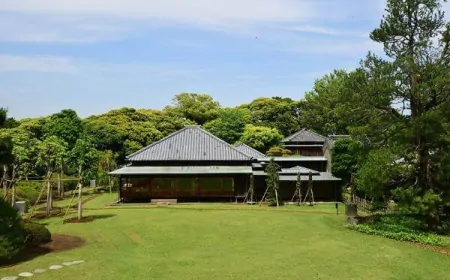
(264, 196)
(37, 200)
(68, 207)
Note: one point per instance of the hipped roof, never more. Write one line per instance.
(305, 135)
(190, 143)
(178, 170)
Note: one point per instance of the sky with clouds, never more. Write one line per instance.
(94, 56)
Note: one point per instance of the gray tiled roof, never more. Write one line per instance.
(249, 151)
(154, 170)
(190, 143)
(323, 176)
(298, 169)
(305, 135)
(293, 171)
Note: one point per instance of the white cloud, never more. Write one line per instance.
(38, 29)
(328, 31)
(73, 66)
(173, 10)
(355, 48)
(68, 21)
(47, 64)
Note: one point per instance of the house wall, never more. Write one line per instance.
(182, 186)
(306, 151)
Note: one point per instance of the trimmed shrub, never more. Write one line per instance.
(36, 234)
(12, 238)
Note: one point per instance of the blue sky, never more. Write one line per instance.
(94, 56)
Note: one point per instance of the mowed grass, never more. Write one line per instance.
(219, 241)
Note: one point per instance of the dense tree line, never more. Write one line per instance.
(394, 108)
(52, 145)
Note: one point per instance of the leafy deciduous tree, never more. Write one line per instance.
(229, 126)
(276, 112)
(260, 137)
(199, 108)
(65, 125)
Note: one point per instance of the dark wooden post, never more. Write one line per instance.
(197, 182)
(120, 188)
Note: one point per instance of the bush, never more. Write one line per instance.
(29, 192)
(400, 227)
(12, 238)
(70, 185)
(36, 234)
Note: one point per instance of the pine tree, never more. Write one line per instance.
(272, 182)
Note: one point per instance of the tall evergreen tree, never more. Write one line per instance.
(416, 38)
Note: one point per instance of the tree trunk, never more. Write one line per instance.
(51, 196)
(59, 185)
(276, 197)
(12, 185)
(5, 178)
(13, 195)
(62, 182)
(48, 208)
(433, 220)
(110, 185)
(80, 210)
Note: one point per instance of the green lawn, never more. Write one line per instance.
(219, 241)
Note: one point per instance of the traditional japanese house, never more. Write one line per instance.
(305, 143)
(326, 186)
(194, 165)
(189, 164)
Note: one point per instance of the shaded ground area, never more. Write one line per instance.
(55, 212)
(88, 219)
(86, 200)
(59, 243)
(58, 211)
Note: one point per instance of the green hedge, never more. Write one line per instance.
(400, 227)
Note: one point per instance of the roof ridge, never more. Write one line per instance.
(304, 129)
(221, 140)
(294, 134)
(157, 142)
(251, 148)
(317, 134)
(298, 166)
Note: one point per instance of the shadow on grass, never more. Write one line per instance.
(59, 243)
(90, 218)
